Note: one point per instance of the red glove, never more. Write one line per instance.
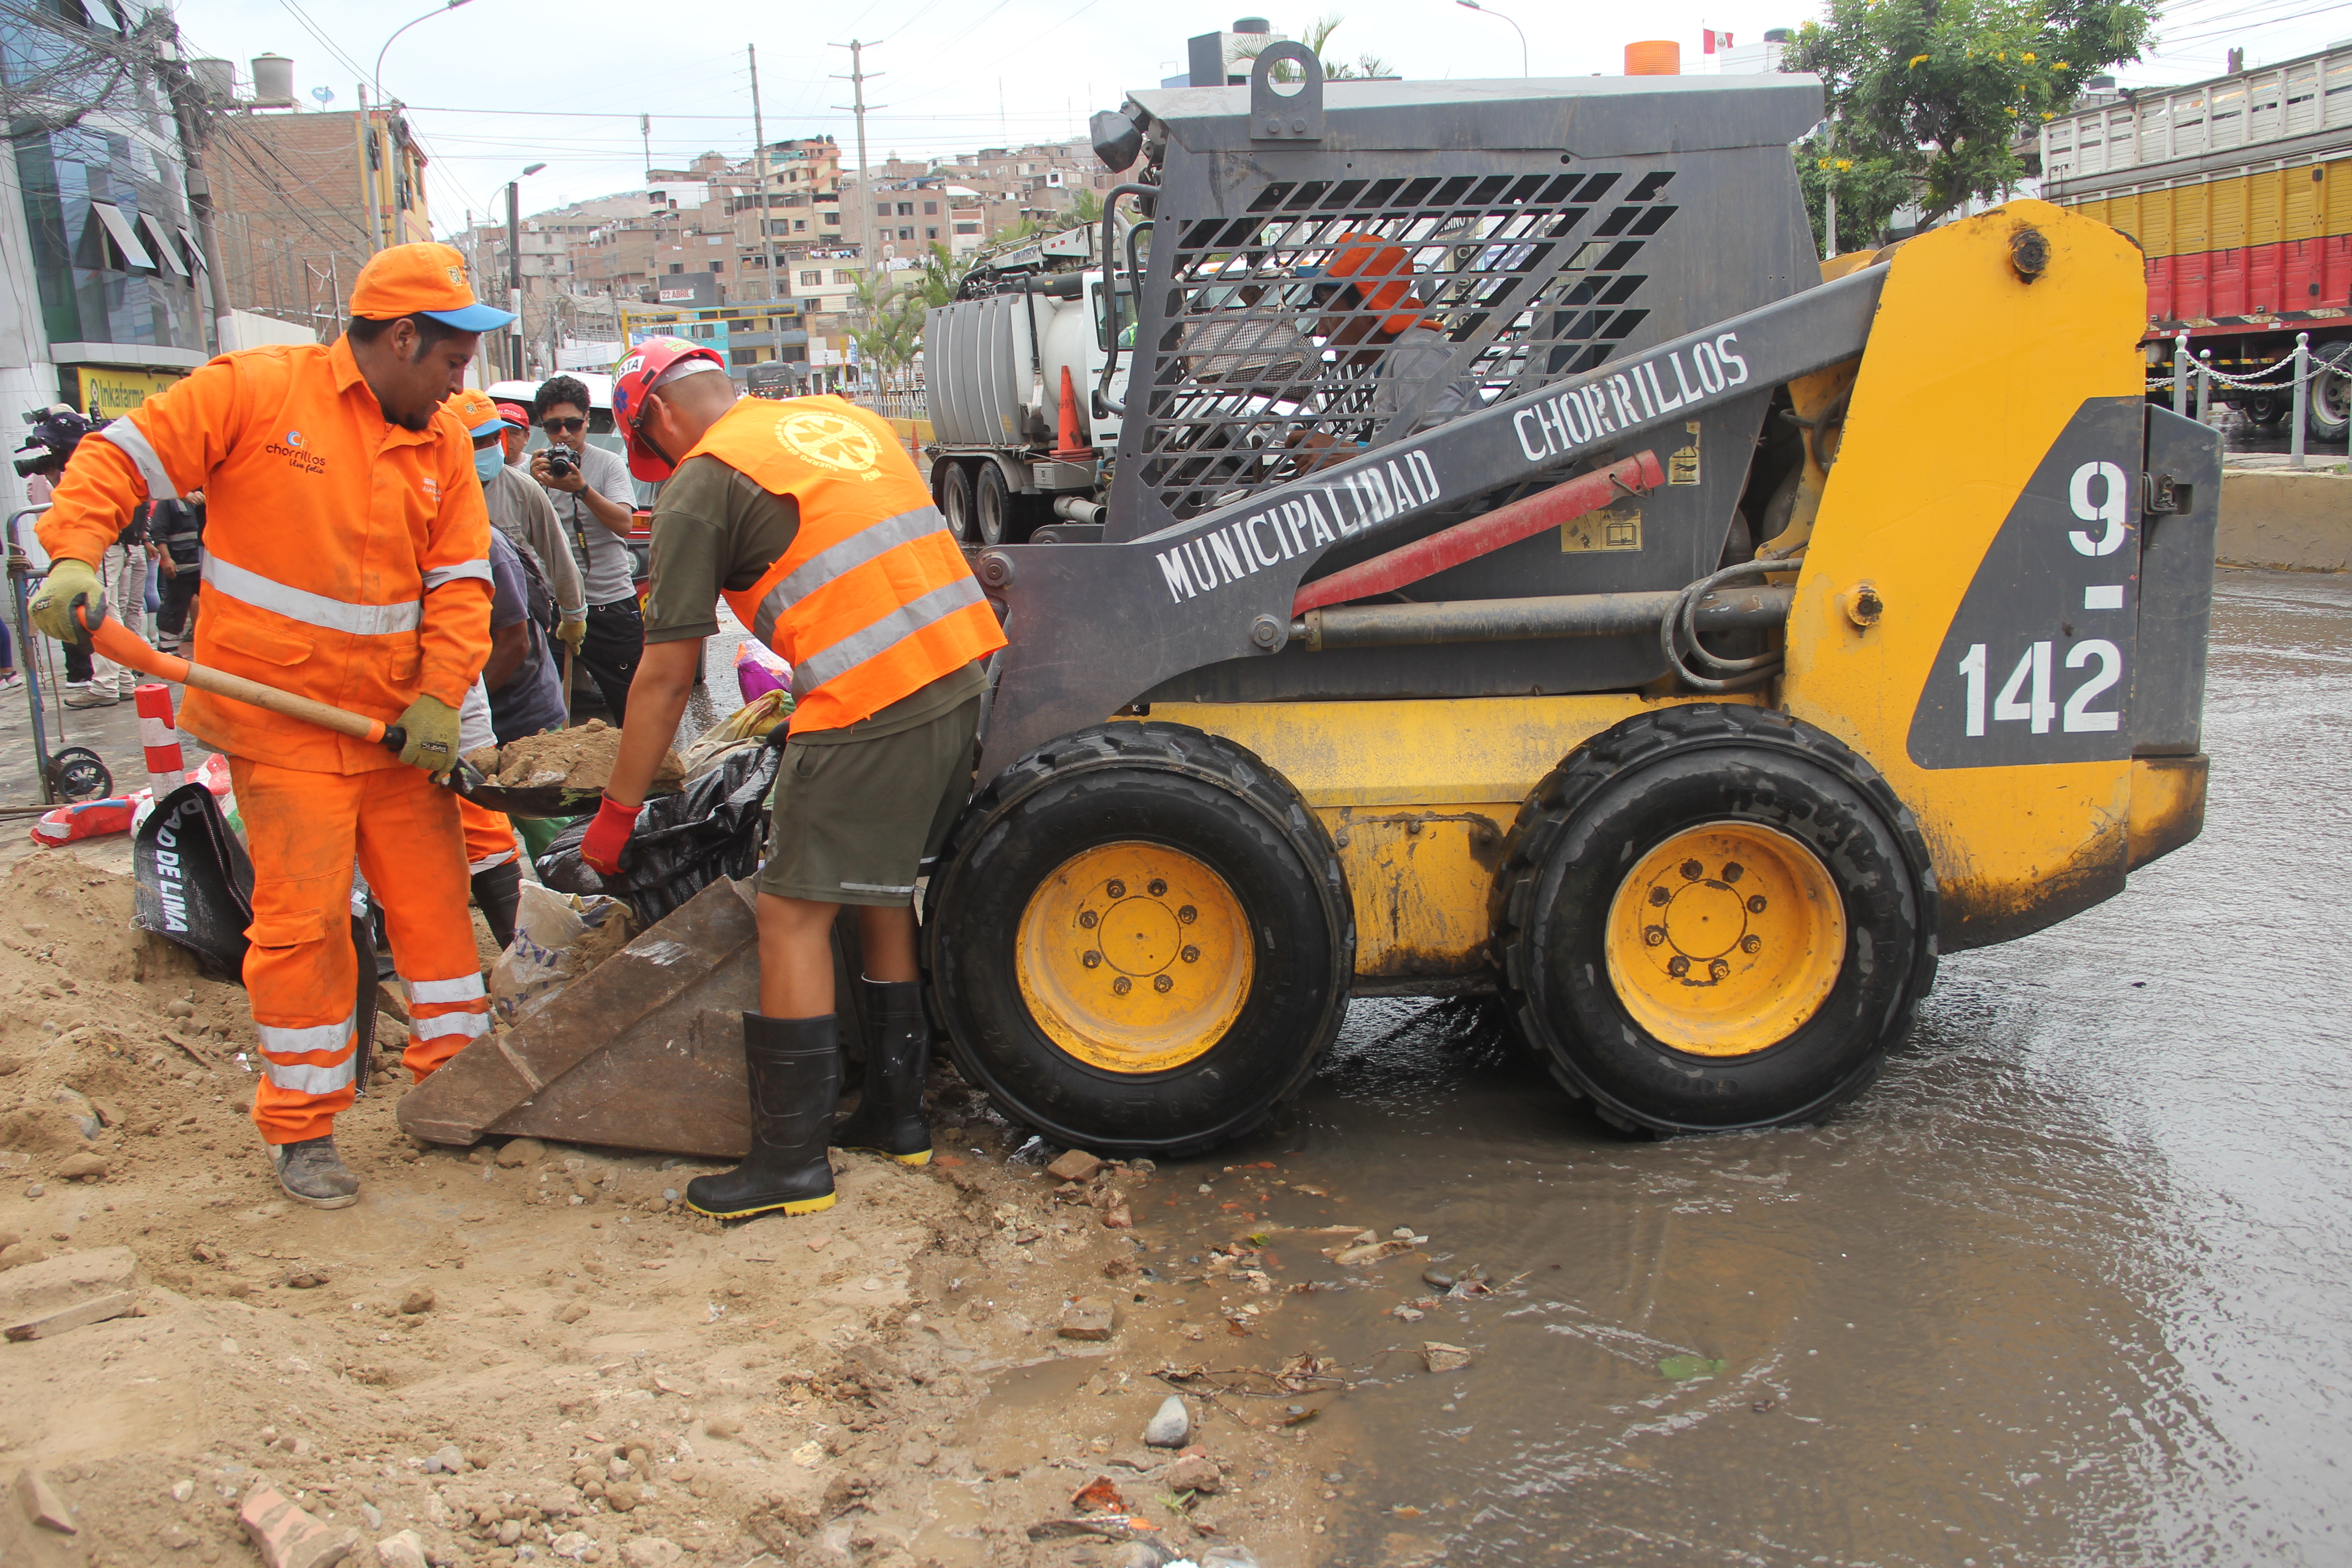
(607, 836)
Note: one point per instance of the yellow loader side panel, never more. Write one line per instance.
(1976, 382)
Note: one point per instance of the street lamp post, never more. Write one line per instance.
(1467, 4)
(378, 76)
(514, 256)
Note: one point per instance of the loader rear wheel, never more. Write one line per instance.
(1142, 941)
(954, 497)
(1714, 917)
(992, 505)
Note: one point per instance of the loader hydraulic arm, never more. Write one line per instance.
(1222, 586)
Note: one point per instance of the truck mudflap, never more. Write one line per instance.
(2034, 547)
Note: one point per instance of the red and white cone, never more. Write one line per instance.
(166, 769)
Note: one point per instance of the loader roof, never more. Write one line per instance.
(1589, 117)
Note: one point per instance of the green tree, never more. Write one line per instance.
(1930, 97)
(888, 323)
(1085, 207)
(1317, 39)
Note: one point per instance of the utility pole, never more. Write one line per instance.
(364, 131)
(1831, 249)
(858, 78)
(514, 267)
(767, 235)
(195, 112)
(645, 135)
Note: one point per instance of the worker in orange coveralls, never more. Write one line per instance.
(346, 560)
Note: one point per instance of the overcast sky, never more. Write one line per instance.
(569, 80)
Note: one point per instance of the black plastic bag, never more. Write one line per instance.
(714, 828)
(195, 884)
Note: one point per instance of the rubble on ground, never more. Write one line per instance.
(579, 758)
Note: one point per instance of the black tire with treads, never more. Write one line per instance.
(1211, 800)
(1588, 824)
(952, 491)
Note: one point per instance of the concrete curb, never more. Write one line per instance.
(2286, 521)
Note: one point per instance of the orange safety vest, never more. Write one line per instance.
(873, 602)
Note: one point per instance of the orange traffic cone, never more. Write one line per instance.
(1071, 449)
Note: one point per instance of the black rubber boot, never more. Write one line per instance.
(496, 894)
(793, 1066)
(889, 1115)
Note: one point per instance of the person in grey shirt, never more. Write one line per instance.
(592, 497)
(521, 510)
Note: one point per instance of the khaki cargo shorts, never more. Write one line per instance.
(856, 822)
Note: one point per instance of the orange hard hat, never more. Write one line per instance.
(1383, 273)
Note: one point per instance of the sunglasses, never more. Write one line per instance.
(563, 427)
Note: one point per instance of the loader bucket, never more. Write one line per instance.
(645, 1051)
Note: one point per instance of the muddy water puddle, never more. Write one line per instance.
(2069, 1285)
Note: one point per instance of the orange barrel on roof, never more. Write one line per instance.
(1654, 57)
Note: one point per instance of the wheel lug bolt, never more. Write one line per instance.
(1751, 944)
(1660, 896)
(1692, 870)
(1088, 919)
(1163, 984)
(1157, 888)
(1115, 889)
(1188, 914)
(1091, 959)
(1716, 969)
(1678, 966)
(1652, 935)
(1121, 986)
(1192, 953)
(1733, 871)
(1756, 904)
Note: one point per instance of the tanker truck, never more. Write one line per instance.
(994, 365)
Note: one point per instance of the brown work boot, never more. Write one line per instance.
(310, 1172)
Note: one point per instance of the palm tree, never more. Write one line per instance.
(1317, 36)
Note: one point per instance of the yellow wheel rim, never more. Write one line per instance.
(1726, 939)
(1134, 957)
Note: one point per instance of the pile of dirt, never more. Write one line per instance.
(534, 1351)
(581, 758)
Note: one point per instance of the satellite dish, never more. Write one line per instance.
(325, 95)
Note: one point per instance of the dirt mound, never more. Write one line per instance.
(581, 758)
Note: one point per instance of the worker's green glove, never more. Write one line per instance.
(68, 579)
(432, 735)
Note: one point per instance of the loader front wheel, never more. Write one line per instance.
(1142, 940)
(1714, 917)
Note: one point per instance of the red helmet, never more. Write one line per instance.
(649, 365)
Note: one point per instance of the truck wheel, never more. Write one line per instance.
(1142, 940)
(2327, 406)
(953, 494)
(2266, 408)
(992, 505)
(1714, 917)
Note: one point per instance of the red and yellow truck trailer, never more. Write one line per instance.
(2239, 192)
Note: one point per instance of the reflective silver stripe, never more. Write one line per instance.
(464, 989)
(296, 1042)
(132, 443)
(875, 888)
(473, 1025)
(312, 609)
(301, 1077)
(475, 868)
(827, 663)
(875, 538)
(436, 575)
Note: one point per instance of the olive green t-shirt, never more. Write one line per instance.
(715, 529)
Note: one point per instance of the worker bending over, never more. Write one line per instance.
(808, 517)
(345, 560)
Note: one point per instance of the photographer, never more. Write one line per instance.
(591, 490)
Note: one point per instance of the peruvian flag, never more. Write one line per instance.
(1711, 41)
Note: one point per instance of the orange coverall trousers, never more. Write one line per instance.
(303, 830)
(489, 836)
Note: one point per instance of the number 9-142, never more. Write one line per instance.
(2026, 696)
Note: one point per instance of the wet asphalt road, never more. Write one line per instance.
(2070, 1285)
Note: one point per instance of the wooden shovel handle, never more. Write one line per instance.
(118, 642)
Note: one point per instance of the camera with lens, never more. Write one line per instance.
(56, 432)
(561, 464)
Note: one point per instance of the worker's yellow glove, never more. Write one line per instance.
(572, 633)
(53, 606)
(432, 735)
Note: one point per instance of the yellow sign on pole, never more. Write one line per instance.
(105, 393)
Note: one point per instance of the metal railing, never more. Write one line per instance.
(896, 405)
(2299, 369)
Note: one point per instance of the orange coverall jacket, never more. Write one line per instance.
(345, 558)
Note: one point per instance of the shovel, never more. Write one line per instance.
(118, 642)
